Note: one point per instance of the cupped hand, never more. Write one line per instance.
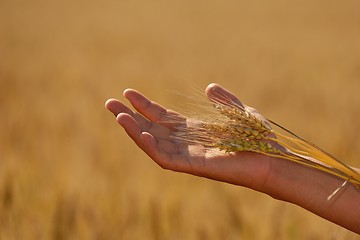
(151, 127)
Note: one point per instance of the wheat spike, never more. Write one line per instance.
(232, 127)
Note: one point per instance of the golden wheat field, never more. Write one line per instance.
(68, 171)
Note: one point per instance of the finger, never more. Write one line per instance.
(176, 161)
(135, 129)
(116, 107)
(152, 110)
(134, 123)
(219, 94)
(151, 148)
(131, 126)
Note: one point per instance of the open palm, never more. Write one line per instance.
(151, 128)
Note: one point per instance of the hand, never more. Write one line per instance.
(151, 128)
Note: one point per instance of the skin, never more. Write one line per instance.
(279, 178)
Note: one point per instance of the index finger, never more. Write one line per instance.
(152, 110)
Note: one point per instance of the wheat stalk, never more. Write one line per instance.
(232, 127)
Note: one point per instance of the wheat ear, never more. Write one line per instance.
(232, 127)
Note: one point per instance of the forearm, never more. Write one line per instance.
(310, 188)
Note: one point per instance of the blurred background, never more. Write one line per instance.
(68, 171)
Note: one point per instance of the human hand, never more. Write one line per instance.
(151, 128)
